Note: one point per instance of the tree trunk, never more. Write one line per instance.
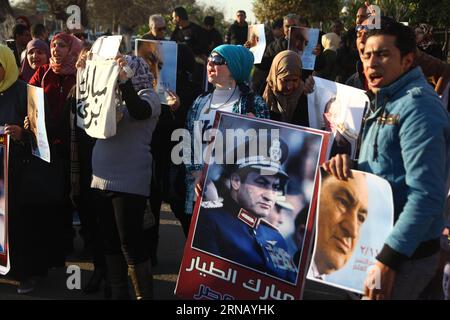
(6, 20)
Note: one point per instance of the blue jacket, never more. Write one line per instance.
(259, 109)
(406, 140)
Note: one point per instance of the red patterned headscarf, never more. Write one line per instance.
(67, 66)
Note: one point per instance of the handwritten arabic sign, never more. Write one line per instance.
(237, 251)
(354, 219)
(96, 103)
(4, 245)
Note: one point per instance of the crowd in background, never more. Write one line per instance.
(113, 185)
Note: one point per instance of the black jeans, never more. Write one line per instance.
(121, 224)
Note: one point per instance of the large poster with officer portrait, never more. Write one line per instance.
(251, 228)
(4, 247)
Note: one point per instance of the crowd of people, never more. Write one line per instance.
(115, 183)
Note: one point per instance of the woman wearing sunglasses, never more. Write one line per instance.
(228, 70)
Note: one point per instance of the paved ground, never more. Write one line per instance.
(165, 273)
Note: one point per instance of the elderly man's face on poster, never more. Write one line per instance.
(343, 208)
(255, 192)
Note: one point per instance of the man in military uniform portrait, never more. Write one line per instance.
(239, 230)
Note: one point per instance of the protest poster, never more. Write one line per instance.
(339, 109)
(303, 41)
(4, 245)
(161, 56)
(251, 228)
(36, 118)
(354, 218)
(256, 40)
(96, 99)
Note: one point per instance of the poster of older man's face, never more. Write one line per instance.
(354, 218)
(303, 41)
(161, 56)
(252, 216)
(256, 40)
(339, 109)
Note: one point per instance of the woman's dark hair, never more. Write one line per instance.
(405, 39)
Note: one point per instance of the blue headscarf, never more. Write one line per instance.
(239, 61)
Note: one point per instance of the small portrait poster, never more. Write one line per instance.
(354, 218)
(36, 117)
(257, 41)
(339, 109)
(303, 41)
(161, 56)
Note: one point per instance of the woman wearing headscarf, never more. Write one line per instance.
(121, 170)
(228, 69)
(284, 89)
(37, 54)
(21, 224)
(57, 79)
(329, 68)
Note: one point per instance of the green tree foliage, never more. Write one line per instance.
(314, 10)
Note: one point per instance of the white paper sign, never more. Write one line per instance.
(303, 41)
(36, 117)
(257, 39)
(354, 218)
(96, 99)
(339, 109)
(161, 56)
(106, 47)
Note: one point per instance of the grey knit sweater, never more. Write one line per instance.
(123, 162)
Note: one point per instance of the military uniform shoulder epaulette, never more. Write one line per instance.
(212, 204)
(262, 220)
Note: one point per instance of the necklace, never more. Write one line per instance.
(228, 100)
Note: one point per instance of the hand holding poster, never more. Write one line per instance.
(303, 41)
(4, 245)
(256, 41)
(96, 91)
(339, 109)
(36, 120)
(260, 176)
(161, 56)
(354, 218)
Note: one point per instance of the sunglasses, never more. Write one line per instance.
(361, 27)
(217, 60)
(161, 29)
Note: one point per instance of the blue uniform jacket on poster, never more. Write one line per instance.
(406, 140)
(259, 109)
(232, 233)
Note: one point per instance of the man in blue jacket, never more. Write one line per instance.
(405, 140)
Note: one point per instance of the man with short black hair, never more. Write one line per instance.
(237, 33)
(214, 36)
(405, 140)
(39, 31)
(189, 33)
(21, 34)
